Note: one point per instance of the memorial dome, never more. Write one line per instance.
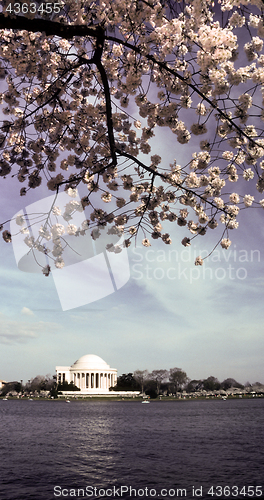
(90, 362)
(90, 373)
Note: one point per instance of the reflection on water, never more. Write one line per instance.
(102, 444)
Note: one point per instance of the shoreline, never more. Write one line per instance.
(130, 399)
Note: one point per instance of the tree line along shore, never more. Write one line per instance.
(173, 383)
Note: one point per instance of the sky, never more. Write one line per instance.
(206, 320)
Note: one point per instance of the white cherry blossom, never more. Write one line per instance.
(87, 94)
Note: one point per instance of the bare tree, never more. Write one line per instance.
(177, 379)
(141, 376)
(159, 376)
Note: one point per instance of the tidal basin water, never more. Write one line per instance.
(51, 449)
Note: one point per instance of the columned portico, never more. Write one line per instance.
(91, 374)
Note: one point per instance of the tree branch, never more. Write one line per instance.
(66, 31)
(163, 65)
(98, 62)
(165, 178)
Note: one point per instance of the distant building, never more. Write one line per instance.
(2, 383)
(91, 374)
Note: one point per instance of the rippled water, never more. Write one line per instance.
(175, 446)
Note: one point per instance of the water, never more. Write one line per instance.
(50, 449)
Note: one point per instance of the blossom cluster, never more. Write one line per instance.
(84, 107)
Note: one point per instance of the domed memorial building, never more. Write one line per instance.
(90, 373)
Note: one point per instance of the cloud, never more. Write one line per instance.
(13, 332)
(21, 332)
(27, 311)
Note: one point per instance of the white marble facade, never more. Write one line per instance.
(90, 373)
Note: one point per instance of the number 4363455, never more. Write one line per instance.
(234, 491)
(32, 8)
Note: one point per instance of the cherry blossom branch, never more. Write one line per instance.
(53, 28)
(69, 31)
(164, 65)
(165, 177)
